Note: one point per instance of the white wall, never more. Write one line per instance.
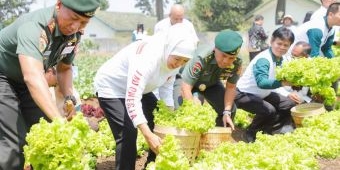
(296, 8)
(99, 29)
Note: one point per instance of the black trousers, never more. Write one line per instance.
(214, 95)
(18, 112)
(269, 111)
(122, 128)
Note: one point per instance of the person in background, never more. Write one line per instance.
(321, 12)
(300, 50)
(139, 33)
(298, 94)
(319, 33)
(124, 86)
(29, 46)
(307, 16)
(257, 37)
(204, 73)
(51, 77)
(176, 16)
(287, 21)
(255, 89)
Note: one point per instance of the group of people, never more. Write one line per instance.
(257, 90)
(43, 44)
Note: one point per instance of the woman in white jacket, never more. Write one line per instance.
(124, 86)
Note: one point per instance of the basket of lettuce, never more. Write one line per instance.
(186, 124)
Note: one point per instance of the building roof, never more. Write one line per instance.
(121, 21)
(265, 2)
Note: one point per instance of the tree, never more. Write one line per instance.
(217, 15)
(11, 9)
(104, 5)
(146, 7)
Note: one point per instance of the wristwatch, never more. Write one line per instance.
(72, 98)
(227, 112)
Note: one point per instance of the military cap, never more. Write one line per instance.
(228, 41)
(85, 8)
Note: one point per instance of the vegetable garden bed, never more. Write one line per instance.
(84, 82)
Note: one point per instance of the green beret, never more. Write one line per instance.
(228, 41)
(85, 8)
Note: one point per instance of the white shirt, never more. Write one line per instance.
(320, 13)
(141, 67)
(165, 24)
(139, 35)
(134, 75)
(301, 32)
(247, 82)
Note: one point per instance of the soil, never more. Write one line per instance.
(109, 163)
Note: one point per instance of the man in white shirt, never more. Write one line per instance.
(300, 50)
(176, 16)
(321, 12)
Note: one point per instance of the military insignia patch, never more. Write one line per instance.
(196, 68)
(202, 87)
(51, 25)
(42, 41)
(239, 70)
(73, 40)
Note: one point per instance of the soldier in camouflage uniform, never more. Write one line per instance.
(28, 47)
(205, 72)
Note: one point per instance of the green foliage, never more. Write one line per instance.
(142, 145)
(67, 145)
(218, 15)
(87, 45)
(243, 118)
(318, 73)
(186, 116)
(87, 68)
(101, 143)
(170, 156)
(104, 5)
(298, 150)
(144, 6)
(336, 50)
(11, 9)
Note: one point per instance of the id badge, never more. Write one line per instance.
(67, 50)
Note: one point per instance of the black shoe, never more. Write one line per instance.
(250, 136)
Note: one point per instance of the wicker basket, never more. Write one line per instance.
(302, 111)
(188, 141)
(215, 137)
